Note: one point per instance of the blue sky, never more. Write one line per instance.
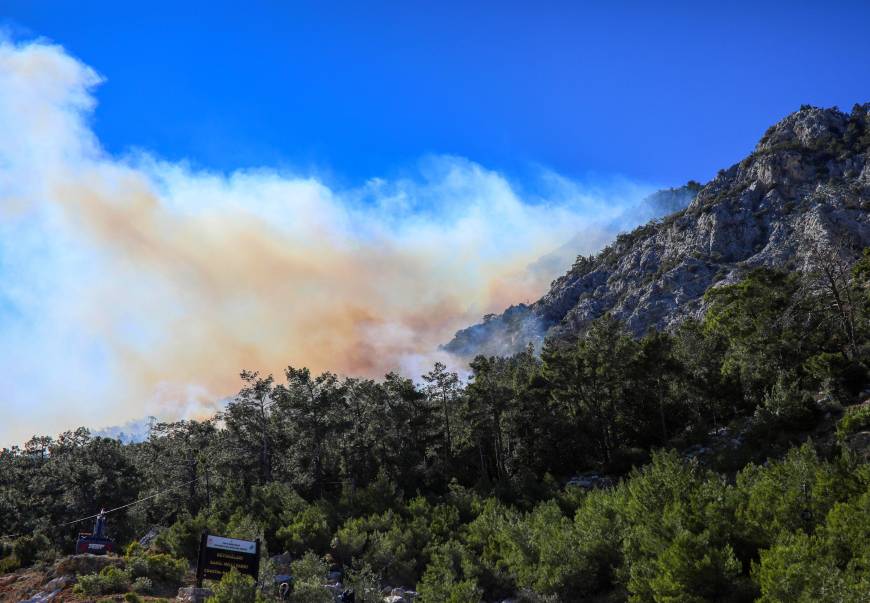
(658, 92)
(185, 193)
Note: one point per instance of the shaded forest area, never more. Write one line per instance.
(726, 454)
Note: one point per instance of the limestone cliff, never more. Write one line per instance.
(805, 186)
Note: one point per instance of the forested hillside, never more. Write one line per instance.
(724, 460)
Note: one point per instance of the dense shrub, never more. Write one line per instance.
(365, 584)
(797, 569)
(450, 577)
(677, 534)
(110, 580)
(28, 549)
(10, 563)
(350, 539)
(160, 568)
(856, 418)
(598, 526)
(392, 549)
(541, 550)
(786, 496)
(847, 530)
(182, 537)
(309, 574)
(143, 585)
(236, 588)
(693, 567)
(786, 406)
(307, 530)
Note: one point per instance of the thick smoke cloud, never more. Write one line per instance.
(132, 286)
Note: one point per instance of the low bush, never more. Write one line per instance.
(143, 585)
(365, 585)
(798, 569)
(9, 564)
(236, 588)
(308, 529)
(109, 581)
(30, 548)
(161, 568)
(784, 407)
(182, 538)
(857, 418)
(450, 577)
(309, 573)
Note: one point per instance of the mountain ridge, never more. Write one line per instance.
(805, 186)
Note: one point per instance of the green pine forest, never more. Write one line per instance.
(729, 454)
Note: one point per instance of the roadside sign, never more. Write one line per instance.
(219, 554)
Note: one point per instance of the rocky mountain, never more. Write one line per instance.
(805, 186)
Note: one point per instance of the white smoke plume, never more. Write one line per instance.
(132, 286)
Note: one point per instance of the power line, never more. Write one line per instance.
(130, 504)
(135, 502)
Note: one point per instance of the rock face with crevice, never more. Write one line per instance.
(806, 186)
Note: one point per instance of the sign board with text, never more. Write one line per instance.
(218, 555)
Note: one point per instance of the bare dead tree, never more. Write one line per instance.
(830, 284)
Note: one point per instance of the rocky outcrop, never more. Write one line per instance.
(806, 186)
(77, 565)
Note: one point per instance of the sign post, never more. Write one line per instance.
(218, 555)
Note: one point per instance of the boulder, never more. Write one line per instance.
(42, 597)
(60, 582)
(77, 565)
(282, 560)
(8, 579)
(149, 537)
(192, 594)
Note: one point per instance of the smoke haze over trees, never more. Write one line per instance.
(458, 489)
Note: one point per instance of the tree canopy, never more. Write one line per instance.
(710, 484)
